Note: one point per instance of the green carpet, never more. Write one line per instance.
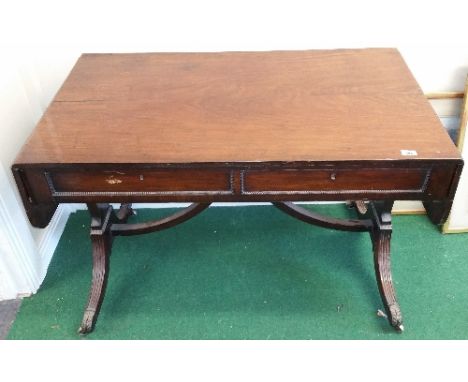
(253, 273)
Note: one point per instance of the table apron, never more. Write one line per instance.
(42, 188)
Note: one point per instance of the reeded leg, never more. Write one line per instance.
(101, 239)
(381, 234)
(101, 251)
(384, 278)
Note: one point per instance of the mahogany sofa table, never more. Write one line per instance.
(286, 126)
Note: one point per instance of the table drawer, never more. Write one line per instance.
(145, 180)
(331, 180)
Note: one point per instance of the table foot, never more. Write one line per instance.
(381, 236)
(87, 323)
(101, 239)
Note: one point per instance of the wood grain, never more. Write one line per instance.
(238, 107)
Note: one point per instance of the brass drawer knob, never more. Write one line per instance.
(333, 176)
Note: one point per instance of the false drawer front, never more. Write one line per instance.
(334, 180)
(144, 180)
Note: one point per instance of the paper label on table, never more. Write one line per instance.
(409, 153)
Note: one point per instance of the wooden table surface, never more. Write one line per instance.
(282, 106)
(262, 126)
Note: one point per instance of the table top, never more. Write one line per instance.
(287, 106)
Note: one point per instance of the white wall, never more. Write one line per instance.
(25, 251)
(41, 40)
(430, 33)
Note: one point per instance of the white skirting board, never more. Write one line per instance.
(16, 264)
(51, 236)
(19, 263)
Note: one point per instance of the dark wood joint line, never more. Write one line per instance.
(24, 188)
(236, 182)
(242, 182)
(454, 181)
(426, 180)
(50, 184)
